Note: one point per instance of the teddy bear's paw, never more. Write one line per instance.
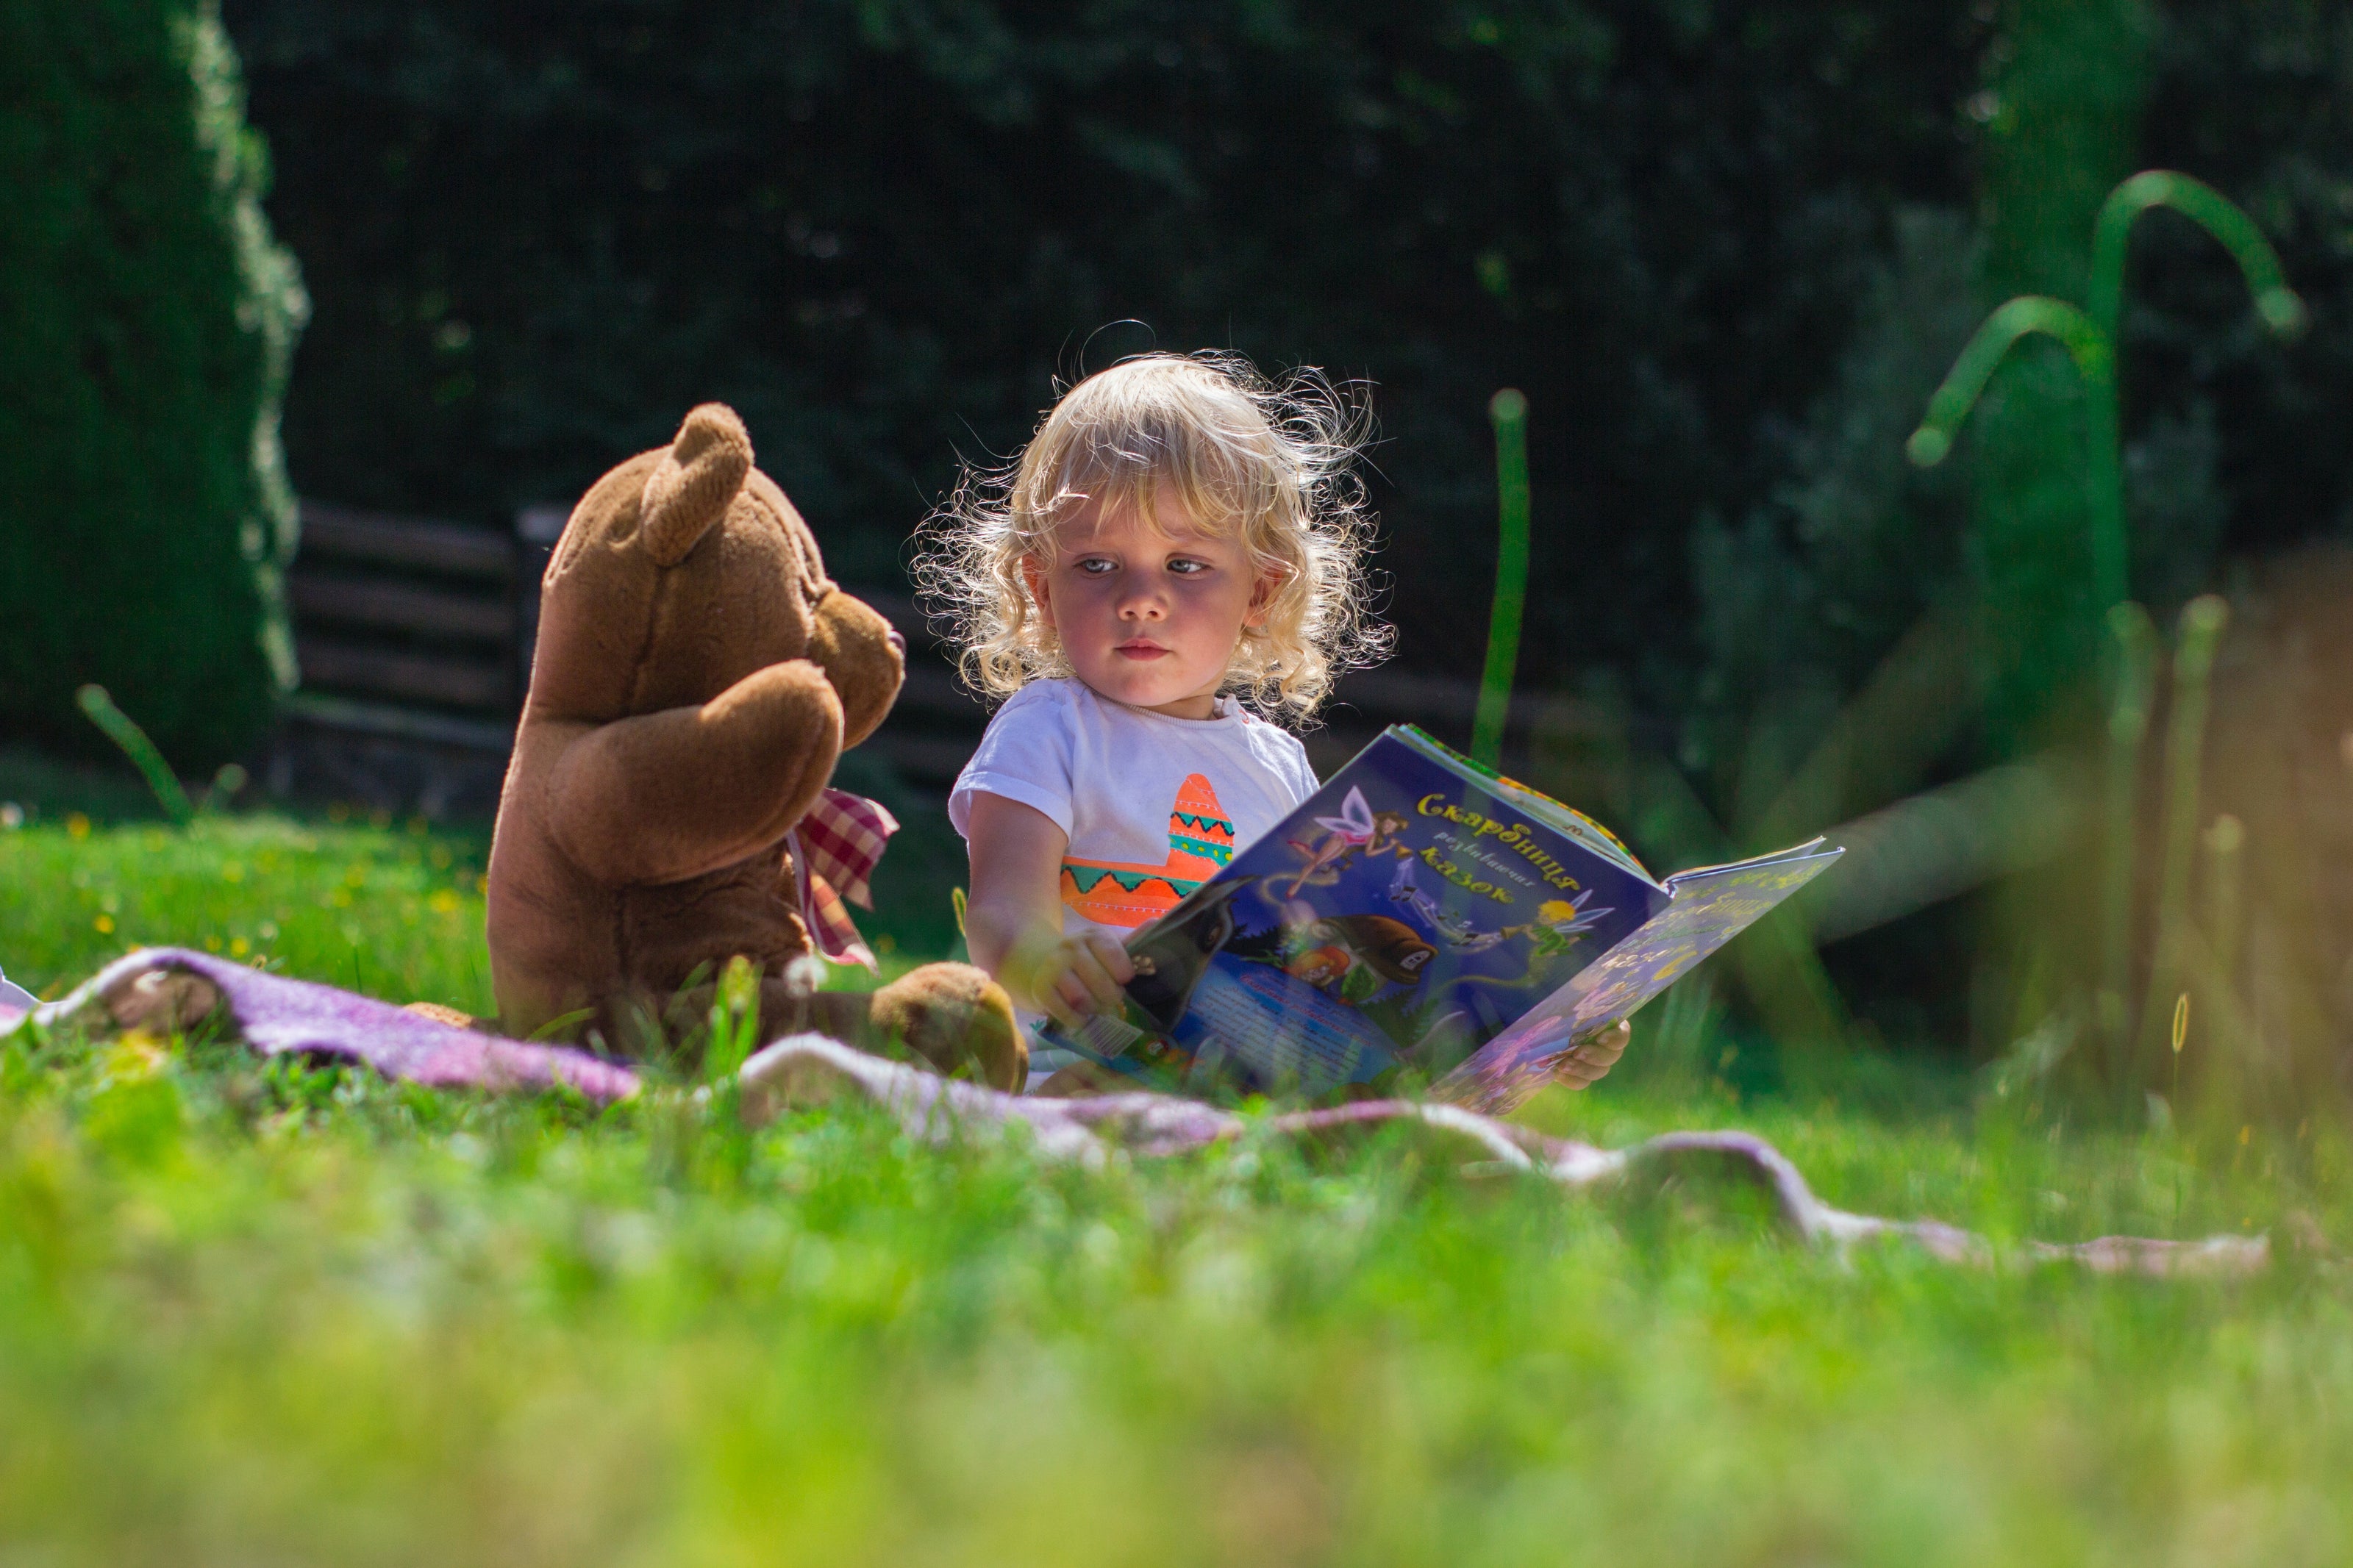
(957, 1019)
(160, 1001)
(441, 1015)
(786, 1077)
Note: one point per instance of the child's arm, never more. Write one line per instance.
(1013, 920)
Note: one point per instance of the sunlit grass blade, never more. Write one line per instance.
(1509, 410)
(117, 727)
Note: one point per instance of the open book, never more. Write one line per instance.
(1421, 915)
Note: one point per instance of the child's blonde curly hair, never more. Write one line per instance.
(1269, 463)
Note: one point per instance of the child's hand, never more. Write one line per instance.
(1588, 1061)
(1013, 920)
(1075, 975)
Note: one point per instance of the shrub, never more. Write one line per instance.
(146, 320)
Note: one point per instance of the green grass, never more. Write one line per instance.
(254, 1315)
(394, 912)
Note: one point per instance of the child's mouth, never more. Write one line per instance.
(1142, 650)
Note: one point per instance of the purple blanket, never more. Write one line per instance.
(276, 1016)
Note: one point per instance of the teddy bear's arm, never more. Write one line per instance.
(664, 796)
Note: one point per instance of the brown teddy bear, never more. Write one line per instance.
(697, 676)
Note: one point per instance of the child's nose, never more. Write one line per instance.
(1144, 604)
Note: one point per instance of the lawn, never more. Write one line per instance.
(255, 1315)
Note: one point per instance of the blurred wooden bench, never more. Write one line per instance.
(419, 630)
(412, 637)
(407, 627)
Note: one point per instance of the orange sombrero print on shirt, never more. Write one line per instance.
(1120, 893)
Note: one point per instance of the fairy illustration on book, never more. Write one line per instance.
(1358, 828)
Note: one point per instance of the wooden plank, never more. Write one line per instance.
(419, 542)
(401, 723)
(926, 758)
(400, 606)
(451, 680)
(931, 688)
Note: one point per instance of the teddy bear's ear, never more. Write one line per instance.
(695, 482)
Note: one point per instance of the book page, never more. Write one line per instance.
(1814, 845)
(1711, 906)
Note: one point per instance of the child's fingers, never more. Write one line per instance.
(1113, 956)
(1590, 1059)
(1065, 999)
(1608, 1045)
(1572, 1072)
(1088, 968)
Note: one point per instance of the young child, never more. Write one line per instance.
(1174, 562)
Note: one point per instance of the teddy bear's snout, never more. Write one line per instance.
(863, 655)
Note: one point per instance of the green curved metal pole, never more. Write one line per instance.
(2091, 336)
(1509, 410)
(2093, 353)
(2280, 307)
(2284, 315)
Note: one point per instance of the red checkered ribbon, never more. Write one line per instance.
(835, 850)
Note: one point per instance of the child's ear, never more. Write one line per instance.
(1262, 592)
(1033, 572)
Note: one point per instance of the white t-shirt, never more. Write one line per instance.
(1152, 805)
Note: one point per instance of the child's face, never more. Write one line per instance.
(1148, 616)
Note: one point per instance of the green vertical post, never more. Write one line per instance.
(1509, 410)
(2226, 872)
(2068, 89)
(2202, 620)
(2132, 692)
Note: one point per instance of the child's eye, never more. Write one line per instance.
(1094, 566)
(1187, 568)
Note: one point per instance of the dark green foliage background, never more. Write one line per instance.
(538, 232)
(1725, 248)
(146, 324)
(2228, 443)
(2257, 98)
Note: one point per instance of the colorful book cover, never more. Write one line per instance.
(1418, 916)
